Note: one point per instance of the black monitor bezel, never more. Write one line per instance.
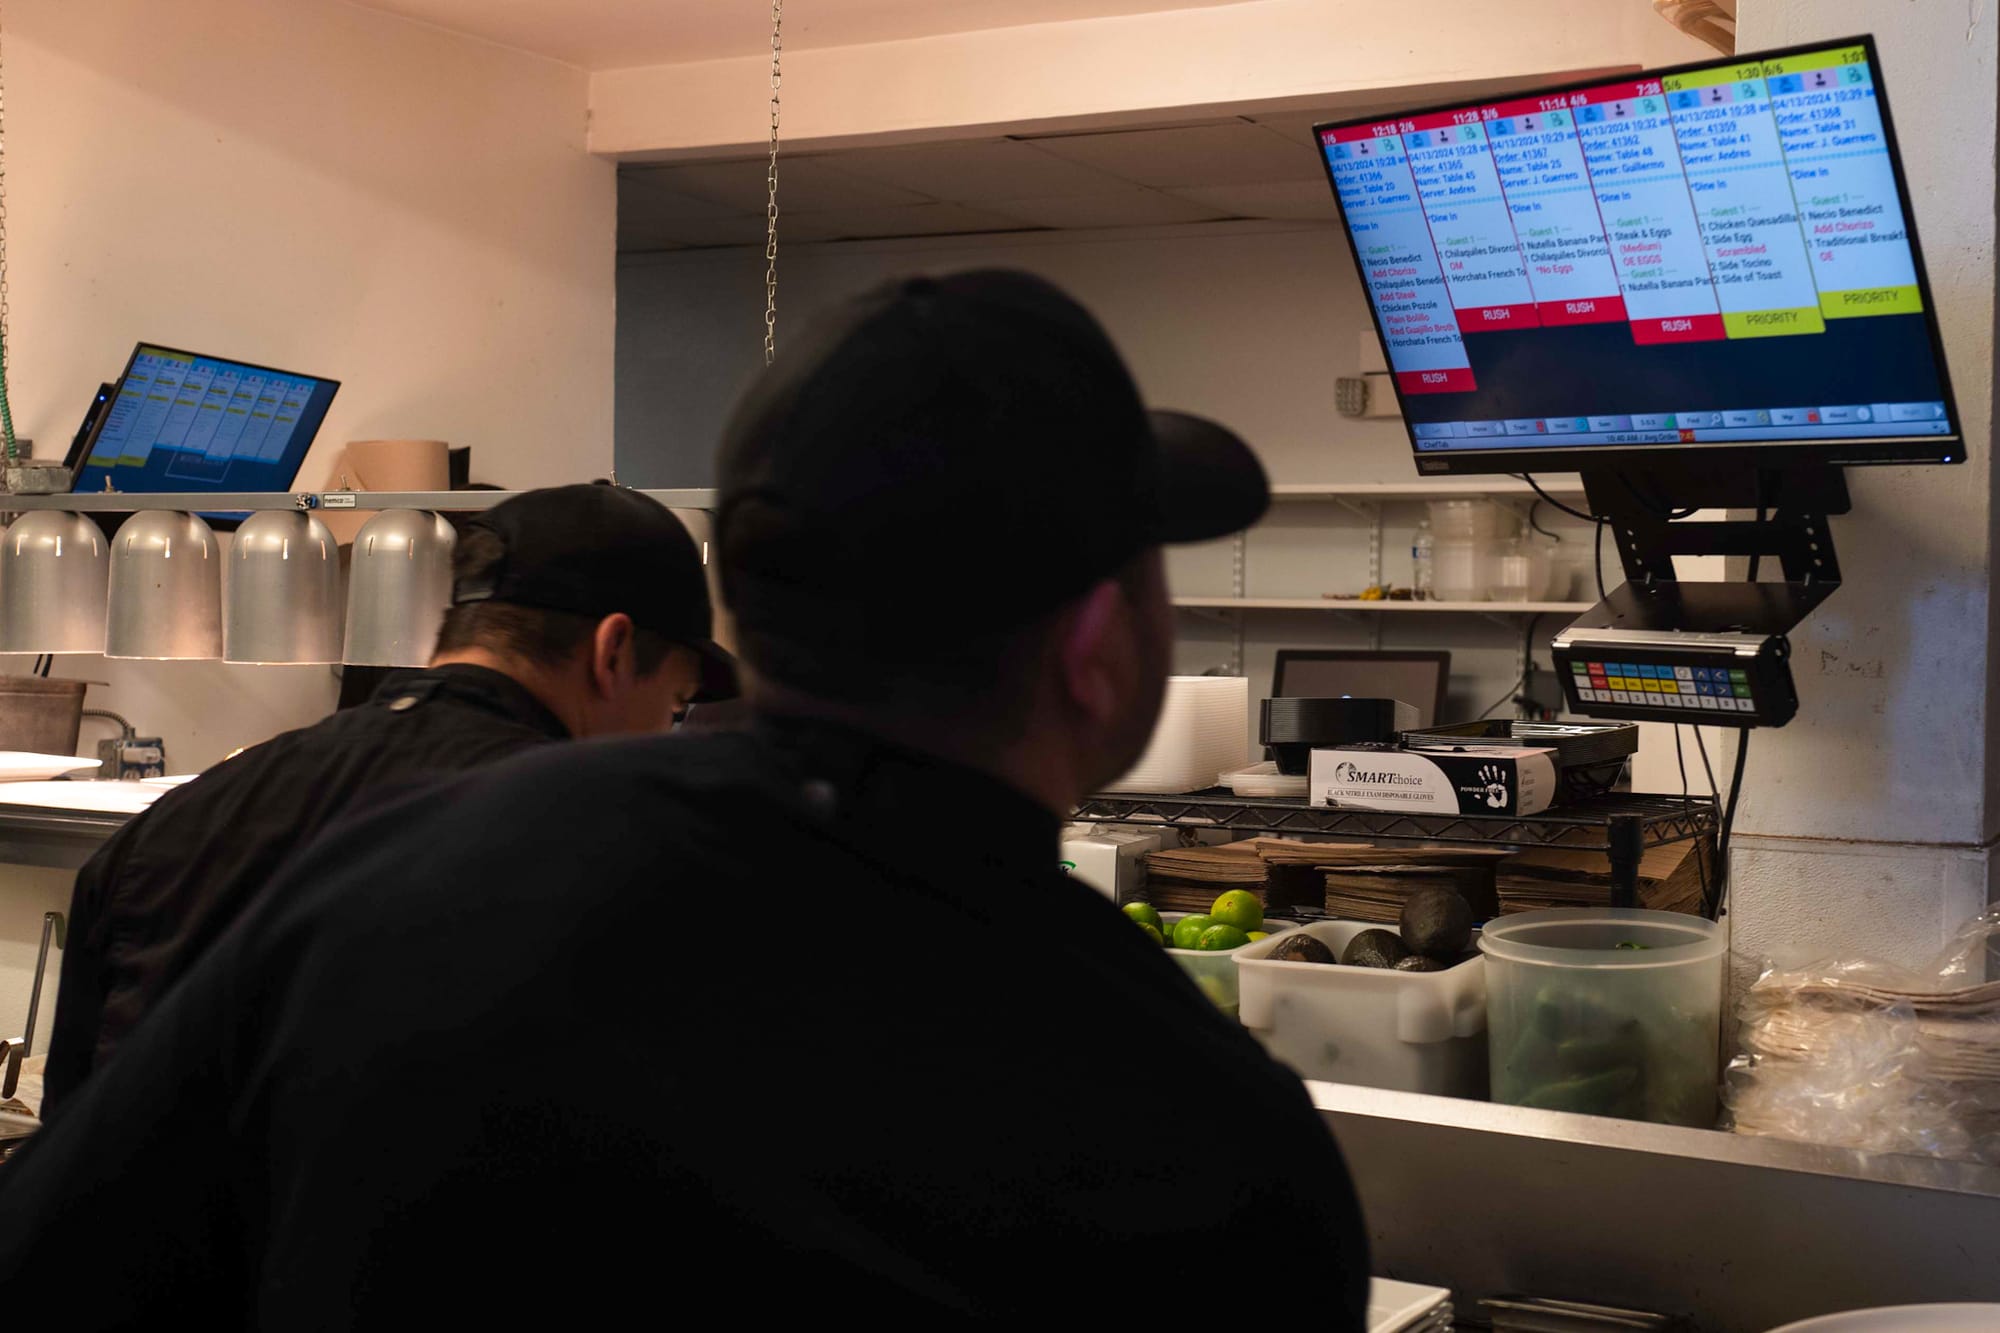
(1928, 449)
(1438, 656)
(118, 387)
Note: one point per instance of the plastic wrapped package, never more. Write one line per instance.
(1859, 1054)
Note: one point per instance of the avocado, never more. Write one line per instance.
(1374, 948)
(1437, 923)
(1416, 962)
(1300, 947)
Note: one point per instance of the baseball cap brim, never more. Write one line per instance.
(1211, 485)
(719, 679)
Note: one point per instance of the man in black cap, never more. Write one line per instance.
(799, 1019)
(577, 611)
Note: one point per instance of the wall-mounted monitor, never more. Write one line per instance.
(1718, 257)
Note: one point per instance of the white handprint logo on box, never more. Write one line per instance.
(1496, 786)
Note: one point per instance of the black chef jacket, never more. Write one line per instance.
(780, 1023)
(167, 885)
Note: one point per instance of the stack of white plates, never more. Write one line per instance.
(1265, 780)
(1405, 1307)
(1204, 728)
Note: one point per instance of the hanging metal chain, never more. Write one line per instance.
(6, 342)
(771, 182)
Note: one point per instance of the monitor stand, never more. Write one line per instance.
(1797, 501)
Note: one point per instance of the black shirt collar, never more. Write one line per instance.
(868, 778)
(477, 685)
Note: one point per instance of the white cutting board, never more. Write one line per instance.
(114, 798)
(20, 766)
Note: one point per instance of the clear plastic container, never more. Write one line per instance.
(1412, 1031)
(1423, 569)
(1520, 571)
(1462, 569)
(1215, 972)
(1606, 1011)
(1471, 519)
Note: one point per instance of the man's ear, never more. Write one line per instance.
(1093, 650)
(610, 645)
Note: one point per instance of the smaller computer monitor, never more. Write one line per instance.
(181, 421)
(81, 440)
(1415, 677)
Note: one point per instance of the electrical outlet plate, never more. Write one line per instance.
(31, 478)
(1350, 397)
(133, 758)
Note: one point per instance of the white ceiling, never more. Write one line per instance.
(1224, 167)
(618, 34)
(1126, 178)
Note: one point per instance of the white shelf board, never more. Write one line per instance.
(1454, 489)
(1403, 608)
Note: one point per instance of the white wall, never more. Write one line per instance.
(1249, 323)
(316, 186)
(1866, 823)
(320, 187)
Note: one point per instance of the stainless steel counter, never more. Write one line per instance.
(1731, 1233)
(65, 839)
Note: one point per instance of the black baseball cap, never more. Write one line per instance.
(596, 550)
(953, 452)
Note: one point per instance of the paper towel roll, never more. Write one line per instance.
(398, 465)
(1203, 730)
(386, 465)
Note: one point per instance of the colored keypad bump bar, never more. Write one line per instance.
(1714, 689)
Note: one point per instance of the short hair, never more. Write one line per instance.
(545, 638)
(982, 681)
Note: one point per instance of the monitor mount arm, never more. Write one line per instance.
(1636, 506)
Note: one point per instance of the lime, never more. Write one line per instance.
(1152, 932)
(1187, 931)
(1221, 938)
(1238, 908)
(1144, 914)
(1254, 935)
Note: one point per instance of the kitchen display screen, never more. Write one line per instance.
(181, 422)
(1716, 255)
